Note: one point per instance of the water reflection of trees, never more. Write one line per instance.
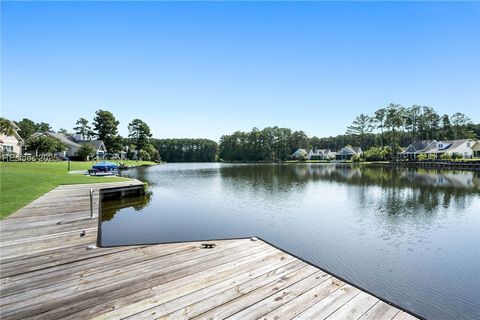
(402, 191)
(112, 207)
(360, 175)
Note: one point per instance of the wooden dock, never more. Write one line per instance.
(47, 273)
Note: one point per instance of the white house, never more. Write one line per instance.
(463, 147)
(321, 154)
(11, 145)
(476, 149)
(300, 154)
(347, 152)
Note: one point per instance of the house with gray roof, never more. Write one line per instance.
(321, 154)
(463, 147)
(347, 153)
(299, 154)
(72, 145)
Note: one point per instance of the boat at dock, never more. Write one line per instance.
(104, 168)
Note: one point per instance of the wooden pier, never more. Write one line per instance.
(48, 273)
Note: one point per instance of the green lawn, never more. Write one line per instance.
(23, 182)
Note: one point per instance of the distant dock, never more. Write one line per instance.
(48, 273)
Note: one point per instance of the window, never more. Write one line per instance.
(7, 148)
(468, 144)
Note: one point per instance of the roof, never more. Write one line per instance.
(15, 132)
(349, 150)
(69, 143)
(431, 146)
(476, 146)
(300, 151)
(454, 143)
(420, 145)
(97, 144)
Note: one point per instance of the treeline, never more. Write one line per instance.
(385, 133)
(269, 144)
(396, 126)
(187, 150)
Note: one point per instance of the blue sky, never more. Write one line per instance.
(193, 69)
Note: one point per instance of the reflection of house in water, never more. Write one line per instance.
(457, 179)
(349, 173)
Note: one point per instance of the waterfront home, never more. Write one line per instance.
(72, 145)
(476, 149)
(12, 144)
(347, 152)
(98, 145)
(321, 154)
(299, 154)
(462, 147)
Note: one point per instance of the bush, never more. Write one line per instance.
(446, 156)
(376, 154)
(457, 155)
(422, 157)
(356, 158)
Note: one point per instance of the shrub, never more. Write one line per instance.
(376, 154)
(422, 157)
(446, 156)
(457, 155)
(356, 158)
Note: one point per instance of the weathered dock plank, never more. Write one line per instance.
(47, 273)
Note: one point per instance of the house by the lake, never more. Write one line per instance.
(348, 152)
(11, 145)
(72, 145)
(476, 149)
(321, 154)
(462, 147)
(299, 154)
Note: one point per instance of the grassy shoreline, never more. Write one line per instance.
(23, 182)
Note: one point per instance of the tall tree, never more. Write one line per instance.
(394, 120)
(27, 128)
(460, 122)
(43, 127)
(380, 115)
(106, 128)
(6, 127)
(298, 139)
(139, 131)
(360, 127)
(115, 143)
(84, 129)
(447, 132)
(428, 123)
(412, 116)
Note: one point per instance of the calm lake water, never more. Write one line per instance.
(409, 236)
